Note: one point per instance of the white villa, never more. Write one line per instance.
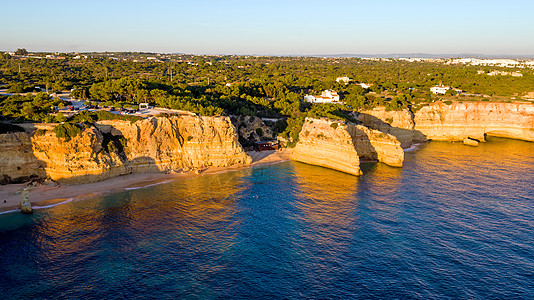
(440, 89)
(345, 79)
(327, 96)
(365, 85)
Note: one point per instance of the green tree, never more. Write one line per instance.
(21, 51)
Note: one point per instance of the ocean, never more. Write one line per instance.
(455, 222)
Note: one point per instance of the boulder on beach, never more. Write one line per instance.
(470, 142)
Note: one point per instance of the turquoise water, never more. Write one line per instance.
(454, 222)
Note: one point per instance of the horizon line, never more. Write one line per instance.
(338, 55)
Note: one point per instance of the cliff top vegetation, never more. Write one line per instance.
(241, 85)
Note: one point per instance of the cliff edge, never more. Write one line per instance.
(340, 145)
(460, 120)
(113, 148)
(327, 144)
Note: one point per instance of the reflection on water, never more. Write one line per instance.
(454, 222)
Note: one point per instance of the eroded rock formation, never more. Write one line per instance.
(113, 148)
(461, 120)
(328, 144)
(401, 124)
(17, 161)
(376, 145)
(251, 129)
(340, 145)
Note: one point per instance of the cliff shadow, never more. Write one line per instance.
(20, 164)
(138, 165)
(373, 145)
(362, 144)
(405, 136)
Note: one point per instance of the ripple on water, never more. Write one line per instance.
(454, 222)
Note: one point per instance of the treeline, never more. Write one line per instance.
(29, 107)
(237, 85)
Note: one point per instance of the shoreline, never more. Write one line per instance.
(43, 196)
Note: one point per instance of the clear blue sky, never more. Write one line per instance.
(270, 27)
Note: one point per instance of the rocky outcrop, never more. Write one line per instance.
(376, 145)
(25, 204)
(17, 161)
(454, 122)
(179, 142)
(251, 129)
(114, 148)
(470, 142)
(327, 144)
(461, 120)
(400, 124)
(340, 145)
(81, 159)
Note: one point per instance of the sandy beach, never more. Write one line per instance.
(44, 195)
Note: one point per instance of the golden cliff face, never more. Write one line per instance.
(376, 145)
(398, 123)
(324, 144)
(16, 158)
(80, 160)
(179, 142)
(462, 120)
(114, 148)
(339, 145)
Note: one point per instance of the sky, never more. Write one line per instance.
(270, 27)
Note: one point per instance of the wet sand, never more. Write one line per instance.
(43, 195)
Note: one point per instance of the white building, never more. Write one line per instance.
(327, 96)
(345, 79)
(440, 89)
(365, 85)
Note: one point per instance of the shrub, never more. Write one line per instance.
(60, 117)
(259, 131)
(67, 131)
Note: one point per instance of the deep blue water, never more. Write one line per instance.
(455, 222)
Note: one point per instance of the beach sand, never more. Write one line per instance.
(43, 195)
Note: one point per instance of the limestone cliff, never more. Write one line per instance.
(179, 142)
(461, 120)
(401, 124)
(115, 148)
(16, 158)
(324, 144)
(78, 160)
(340, 145)
(376, 145)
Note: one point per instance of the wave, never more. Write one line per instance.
(55, 204)
(9, 211)
(145, 186)
(413, 147)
